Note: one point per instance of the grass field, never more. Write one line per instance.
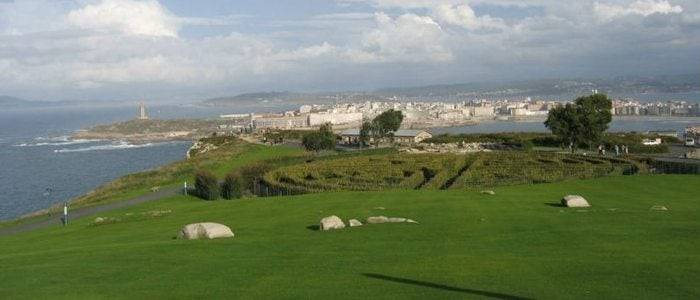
(517, 243)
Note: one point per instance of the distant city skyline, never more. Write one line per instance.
(178, 49)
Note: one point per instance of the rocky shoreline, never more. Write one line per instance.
(140, 138)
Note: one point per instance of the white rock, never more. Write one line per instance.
(377, 220)
(574, 201)
(205, 231)
(489, 192)
(99, 220)
(332, 222)
(354, 223)
(397, 220)
(659, 207)
(411, 221)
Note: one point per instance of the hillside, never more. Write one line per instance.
(253, 98)
(13, 102)
(517, 244)
(151, 130)
(551, 87)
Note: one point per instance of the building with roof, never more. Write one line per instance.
(402, 136)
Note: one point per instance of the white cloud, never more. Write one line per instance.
(128, 17)
(607, 12)
(464, 16)
(407, 38)
(89, 46)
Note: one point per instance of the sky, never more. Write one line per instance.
(182, 49)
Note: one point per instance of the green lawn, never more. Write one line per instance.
(518, 243)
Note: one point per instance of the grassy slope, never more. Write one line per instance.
(220, 162)
(512, 243)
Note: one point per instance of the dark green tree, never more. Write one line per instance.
(382, 126)
(581, 123)
(206, 185)
(233, 186)
(595, 116)
(365, 132)
(323, 139)
(388, 121)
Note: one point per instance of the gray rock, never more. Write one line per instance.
(397, 220)
(383, 219)
(332, 222)
(354, 223)
(377, 220)
(574, 201)
(205, 231)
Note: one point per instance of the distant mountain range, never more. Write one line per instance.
(13, 102)
(554, 87)
(547, 88)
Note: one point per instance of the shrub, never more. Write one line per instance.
(206, 185)
(243, 180)
(324, 139)
(233, 186)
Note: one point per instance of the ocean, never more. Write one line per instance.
(41, 166)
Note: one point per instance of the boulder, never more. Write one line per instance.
(205, 231)
(659, 208)
(354, 223)
(488, 192)
(383, 219)
(377, 220)
(99, 220)
(574, 201)
(332, 222)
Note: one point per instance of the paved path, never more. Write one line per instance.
(88, 211)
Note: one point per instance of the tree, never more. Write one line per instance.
(206, 185)
(323, 139)
(365, 132)
(582, 122)
(383, 125)
(595, 117)
(388, 121)
(233, 186)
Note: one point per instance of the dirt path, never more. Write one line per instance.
(88, 211)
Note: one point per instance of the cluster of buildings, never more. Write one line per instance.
(669, 108)
(432, 114)
(416, 114)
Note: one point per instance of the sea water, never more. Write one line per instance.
(41, 166)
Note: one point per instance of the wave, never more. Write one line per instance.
(65, 143)
(116, 146)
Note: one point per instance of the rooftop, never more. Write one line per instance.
(398, 133)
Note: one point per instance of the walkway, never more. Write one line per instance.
(88, 211)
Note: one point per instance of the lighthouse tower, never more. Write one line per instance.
(142, 112)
